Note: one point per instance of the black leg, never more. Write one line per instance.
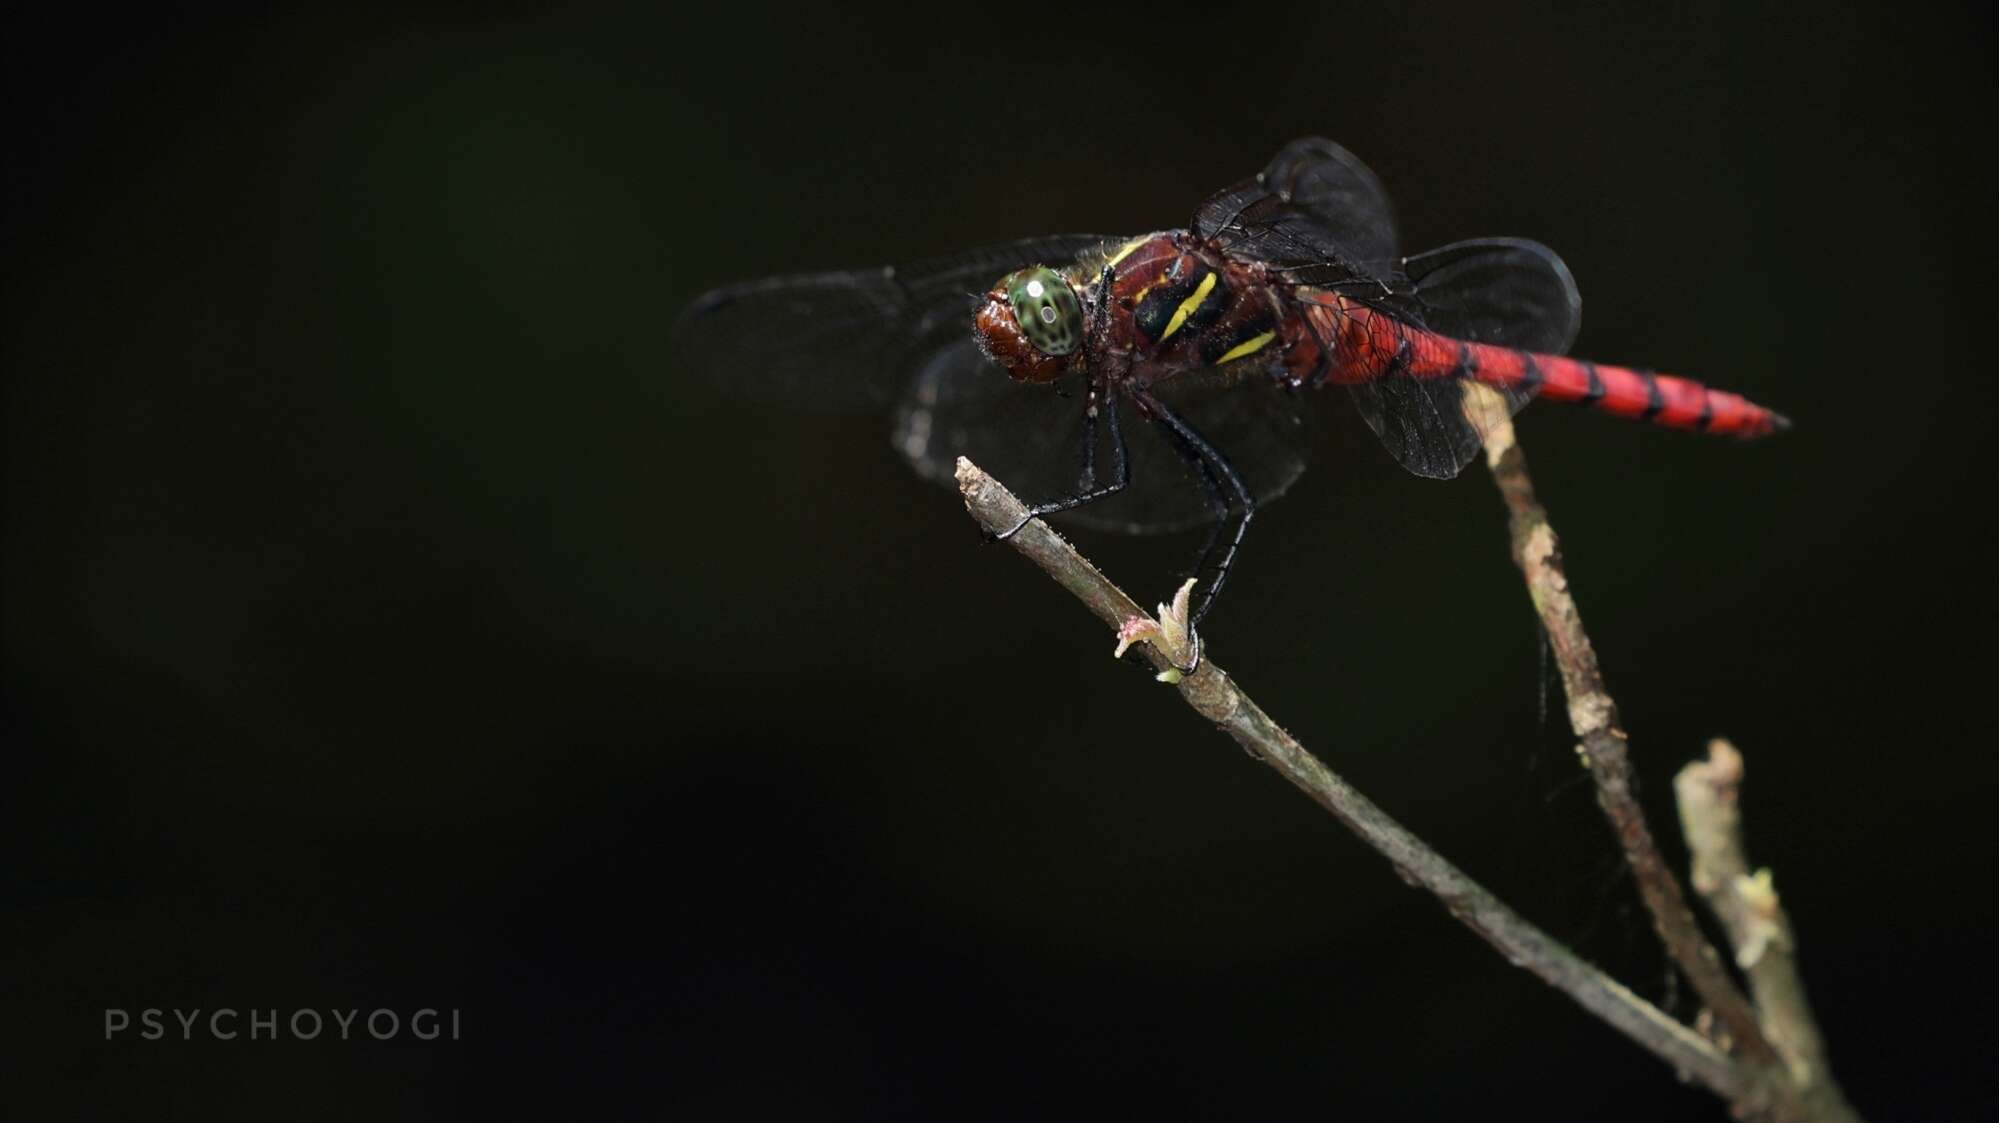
(1211, 459)
(1086, 480)
(1086, 494)
(1100, 316)
(1217, 501)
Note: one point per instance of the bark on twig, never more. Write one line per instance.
(1710, 816)
(1215, 696)
(1593, 716)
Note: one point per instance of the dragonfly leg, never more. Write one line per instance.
(1086, 480)
(1086, 492)
(1100, 325)
(1213, 466)
(1217, 502)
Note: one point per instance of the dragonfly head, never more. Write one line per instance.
(1031, 323)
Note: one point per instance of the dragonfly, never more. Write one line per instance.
(1030, 356)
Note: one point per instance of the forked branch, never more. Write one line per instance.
(1774, 1037)
(1768, 1062)
(1593, 716)
(1709, 793)
(1215, 696)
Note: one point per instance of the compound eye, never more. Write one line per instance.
(1047, 310)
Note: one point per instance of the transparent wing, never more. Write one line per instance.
(848, 341)
(1424, 423)
(1315, 212)
(1509, 292)
(1031, 438)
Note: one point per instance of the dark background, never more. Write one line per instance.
(389, 623)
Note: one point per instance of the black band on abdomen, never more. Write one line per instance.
(1595, 392)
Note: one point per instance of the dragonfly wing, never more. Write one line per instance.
(960, 403)
(848, 341)
(1315, 212)
(1507, 291)
(1423, 423)
(1031, 438)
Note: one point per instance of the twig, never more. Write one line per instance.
(1215, 696)
(1593, 716)
(1710, 816)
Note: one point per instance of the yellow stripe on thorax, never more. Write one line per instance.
(1124, 251)
(1188, 305)
(1248, 346)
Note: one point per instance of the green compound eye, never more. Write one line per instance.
(1047, 310)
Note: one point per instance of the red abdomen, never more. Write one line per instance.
(1367, 345)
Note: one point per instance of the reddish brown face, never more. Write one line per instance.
(1031, 324)
(1001, 339)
